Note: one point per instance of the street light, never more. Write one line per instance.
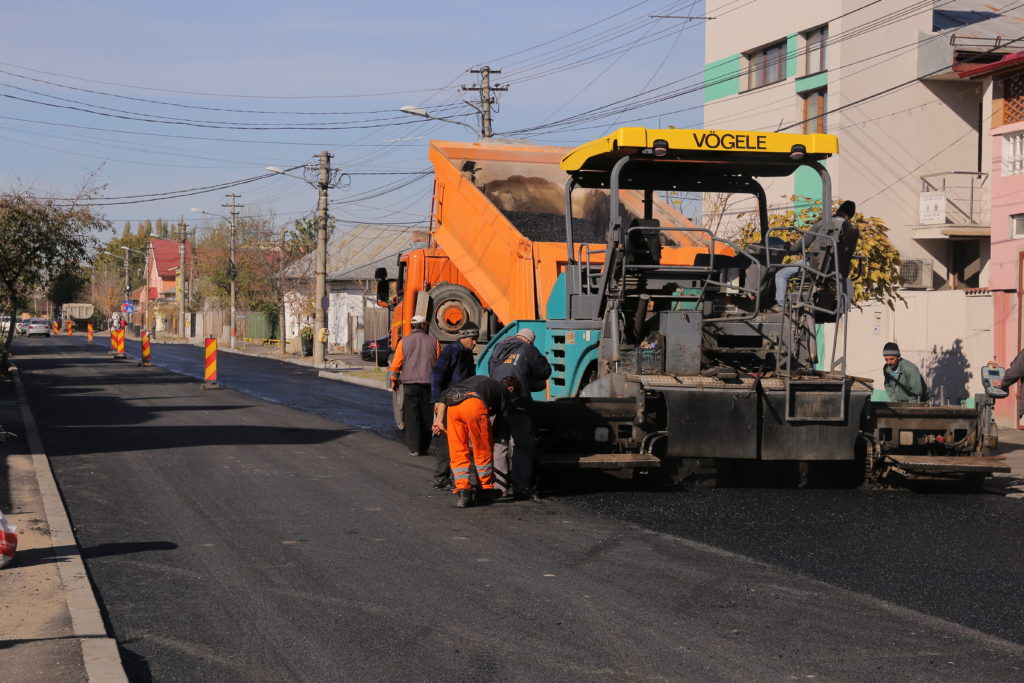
(322, 183)
(232, 271)
(420, 111)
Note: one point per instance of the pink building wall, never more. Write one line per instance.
(1007, 194)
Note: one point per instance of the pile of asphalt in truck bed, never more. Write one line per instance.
(550, 227)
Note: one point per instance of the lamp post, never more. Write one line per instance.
(232, 270)
(324, 180)
(420, 111)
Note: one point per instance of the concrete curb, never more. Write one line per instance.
(99, 650)
(343, 377)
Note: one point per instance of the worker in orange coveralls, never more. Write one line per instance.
(470, 406)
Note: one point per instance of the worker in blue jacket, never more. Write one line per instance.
(455, 364)
(517, 356)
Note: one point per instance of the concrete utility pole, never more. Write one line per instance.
(232, 270)
(181, 278)
(282, 318)
(487, 99)
(320, 347)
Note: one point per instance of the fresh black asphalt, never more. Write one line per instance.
(231, 538)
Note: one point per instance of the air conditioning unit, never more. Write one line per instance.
(916, 274)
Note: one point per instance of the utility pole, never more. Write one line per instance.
(282, 317)
(324, 181)
(127, 287)
(232, 270)
(487, 99)
(181, 277)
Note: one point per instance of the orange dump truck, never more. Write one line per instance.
(498, 248)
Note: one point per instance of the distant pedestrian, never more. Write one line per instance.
(473, 414)
(410, 369)
(903, 381)
(517, 357)
(454, 365)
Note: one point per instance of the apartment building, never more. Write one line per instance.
(913, 148)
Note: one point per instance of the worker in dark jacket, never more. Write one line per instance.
(455, 364)
(410, 369)
(1014, 374)
(847, 235)
(518, 357)
(466, 415)
(903, 381)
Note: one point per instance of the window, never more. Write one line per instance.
(815, 108)
(1013, 99)
(767, 65)
(1017, 225)
(815, 51)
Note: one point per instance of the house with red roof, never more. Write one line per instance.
(163, 261)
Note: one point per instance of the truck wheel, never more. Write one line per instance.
(451, 307)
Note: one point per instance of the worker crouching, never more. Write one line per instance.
(476, 409)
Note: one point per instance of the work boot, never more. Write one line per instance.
(464, 499)
(443, 485)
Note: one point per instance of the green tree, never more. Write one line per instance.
(875, 268)
(40, 241)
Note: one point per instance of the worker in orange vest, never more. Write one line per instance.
(470, 406)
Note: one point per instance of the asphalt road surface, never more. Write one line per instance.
(234, 539)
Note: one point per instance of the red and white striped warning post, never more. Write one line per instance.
(145, 348)
(210, 374)
(120, 345)
(88, 333)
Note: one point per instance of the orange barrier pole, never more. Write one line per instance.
(88, 333)
(145, 348)
(56, 327)
(120, 345)
(113, 340)
(71, 327)
(210, 374)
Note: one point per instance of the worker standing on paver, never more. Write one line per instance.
(415, 356)
(455, 364)
(518, 357)
(466, 415)
(903, 381)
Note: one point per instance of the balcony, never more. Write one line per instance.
(954, 204)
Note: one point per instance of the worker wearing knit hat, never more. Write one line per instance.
(516, 356)
(903, 381)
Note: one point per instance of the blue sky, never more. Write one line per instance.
(150, 96)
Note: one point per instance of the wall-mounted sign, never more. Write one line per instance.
(932, 208)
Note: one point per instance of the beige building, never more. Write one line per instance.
(913, 148)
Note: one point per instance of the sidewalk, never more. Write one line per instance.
(52, 629)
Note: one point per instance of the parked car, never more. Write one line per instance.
(377, 351)
(37, 326)
(21, 327)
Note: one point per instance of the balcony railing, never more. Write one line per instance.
(955, 198)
